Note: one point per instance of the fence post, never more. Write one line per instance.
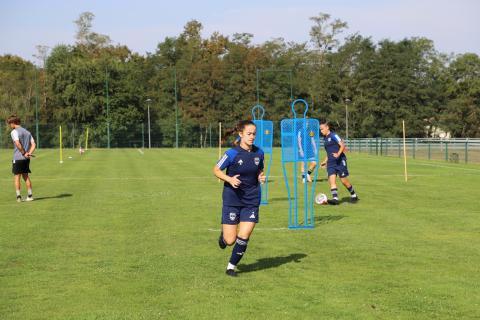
(370, 145)
(398, 142)
(414, 147)
(429, 152)
(466, 151)
(446, 150)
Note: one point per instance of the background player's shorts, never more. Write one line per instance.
(234, 215)
(21, 166)
(311, 156)
(339, 168)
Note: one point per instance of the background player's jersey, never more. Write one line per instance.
(331, 142)
(25, 138)
(248, 165)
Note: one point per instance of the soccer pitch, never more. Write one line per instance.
(132, 234)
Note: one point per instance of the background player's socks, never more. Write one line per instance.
(238, 251)
(334, 192)
(19, 197)
(29, 193)
(352, 192)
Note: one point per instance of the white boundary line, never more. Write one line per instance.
(141, 151)
(256, 229)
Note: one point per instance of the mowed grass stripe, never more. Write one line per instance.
(131, 242)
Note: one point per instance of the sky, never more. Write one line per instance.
(453, 25)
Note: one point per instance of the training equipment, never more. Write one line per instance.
(300, 143)
(264, 140)
(321, 198)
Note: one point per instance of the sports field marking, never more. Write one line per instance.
(418, 163)
(141, 151)
(204, 177)
(256, 229)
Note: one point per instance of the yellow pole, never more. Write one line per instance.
(61, 151)
(404, 151)
(86, 141)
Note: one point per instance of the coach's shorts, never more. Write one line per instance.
(21, 166)
(235, 215)
(339, 168)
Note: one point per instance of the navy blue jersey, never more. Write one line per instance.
(248, 165)
(331, 142)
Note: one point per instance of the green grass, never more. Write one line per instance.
(121, 235)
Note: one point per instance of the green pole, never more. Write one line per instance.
(376, 146)
(291, 85)
(176, 106)
(429, 150)
(210, 134)
(143, 136)
(398, 142)
(108, 109)
(386, 147)
(446, 151)
(37, 138)
(381, 146)
(414, 147)
(466, 151)
(258, 92)
(370, 145)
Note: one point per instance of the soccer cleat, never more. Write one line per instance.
(333, 202)
(221, 242)
(231, 273)
(29, 198)
(19, 198)
(354, 199)
(309, 178)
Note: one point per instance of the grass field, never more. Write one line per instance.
(117, 234)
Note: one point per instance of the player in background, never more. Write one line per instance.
(336, 163)
(241, 192)
(23, 148)
(311, 152)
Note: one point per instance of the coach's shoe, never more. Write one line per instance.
(354, 199)
(221, 242)
(231, 273)
(333, 202)
(19, 198)
(29, 198)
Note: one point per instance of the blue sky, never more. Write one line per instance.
(453, 25)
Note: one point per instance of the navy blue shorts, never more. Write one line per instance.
(340, 169)
(235, 215)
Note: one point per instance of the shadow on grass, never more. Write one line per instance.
(273, 262)
(62, 195)
(328, 219)
(278, 199)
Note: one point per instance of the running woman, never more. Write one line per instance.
(241, 193)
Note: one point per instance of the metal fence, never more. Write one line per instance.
(451, 150)
(193, 135)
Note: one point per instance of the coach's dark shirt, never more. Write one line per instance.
(248, 165)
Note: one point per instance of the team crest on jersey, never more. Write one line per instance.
(329, 139)
(240, 162)
(233, 215)
(257, 161)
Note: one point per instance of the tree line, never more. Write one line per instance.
(191, 83)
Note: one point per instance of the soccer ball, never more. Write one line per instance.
(321, 198)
